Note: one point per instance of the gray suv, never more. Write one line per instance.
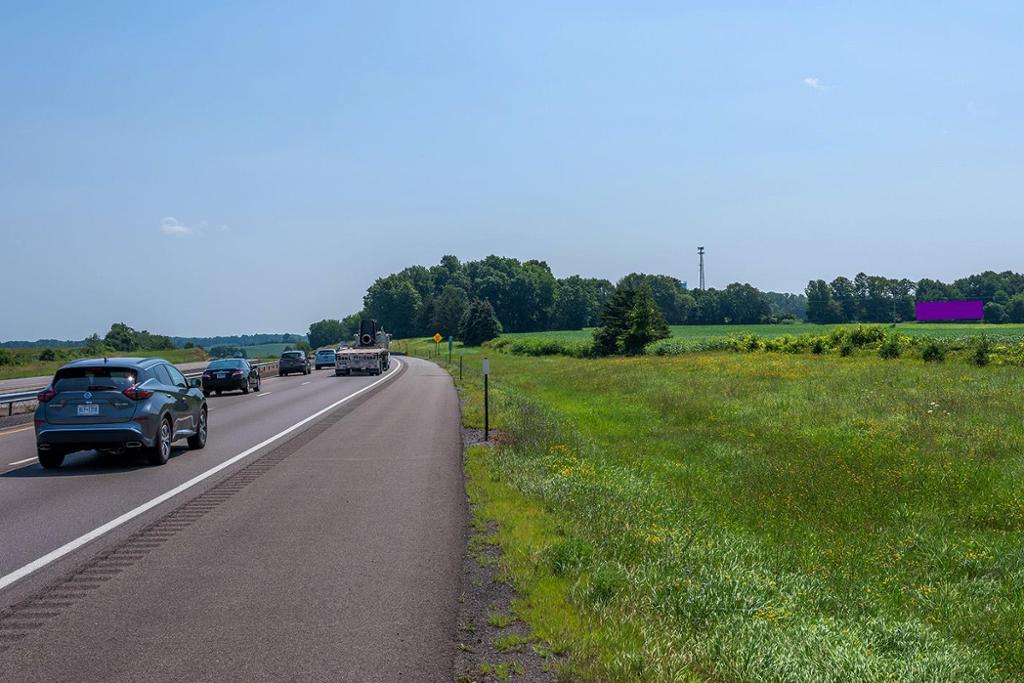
(117, 405)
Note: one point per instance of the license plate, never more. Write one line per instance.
(88, 409)
(222, 375)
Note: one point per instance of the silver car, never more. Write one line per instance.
(117, 405)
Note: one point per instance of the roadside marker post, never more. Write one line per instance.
(461, 354)
(487, 401)
(451, 343)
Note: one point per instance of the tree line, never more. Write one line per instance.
(873, 298)
(525, 296)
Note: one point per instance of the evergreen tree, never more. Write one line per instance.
(479, 324)
(644, 323)
(614, 321)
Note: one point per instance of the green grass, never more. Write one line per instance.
(27, 363)
(759, 516)
(266, 350)
(705, 332)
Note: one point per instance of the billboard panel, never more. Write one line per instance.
(972, 309)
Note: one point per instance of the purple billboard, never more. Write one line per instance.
(971, 309)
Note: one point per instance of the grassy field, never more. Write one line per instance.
(265, 350)
(27, 363)
(759, 517)
(700, 332)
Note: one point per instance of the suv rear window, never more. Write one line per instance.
(94, 379)
(292, 355)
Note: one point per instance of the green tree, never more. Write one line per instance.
(708, 310)
(326, 332)
(350, 324)
(644, 322)
(94, 345)
(395, 303)
(479, 323)
(449, 307)
(1015, 309)
(995, 313)
(614, 321)
(821, 307)
(574, 302)
(672, 298)
(47, 355)
(121, 337)
(744, 304)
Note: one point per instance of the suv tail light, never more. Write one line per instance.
(46, 394)
(135, 393)
(237, 373)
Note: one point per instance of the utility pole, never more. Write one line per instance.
(700, 251)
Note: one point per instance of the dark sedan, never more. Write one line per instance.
(232, 374)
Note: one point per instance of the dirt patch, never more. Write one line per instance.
(492, 643)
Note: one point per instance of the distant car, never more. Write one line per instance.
(293, 361)
(117, 405)
(230, 374)
(325, 358)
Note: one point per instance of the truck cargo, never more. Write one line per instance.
(369, 352)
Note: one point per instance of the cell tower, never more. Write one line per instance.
(700, 252)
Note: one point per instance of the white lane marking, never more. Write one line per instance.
(305, 383)
(22, 462)
(265, 393)
(71, 546)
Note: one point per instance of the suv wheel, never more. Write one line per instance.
(199, 440)
(160, 453)
(50, 460)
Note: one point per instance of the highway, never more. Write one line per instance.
(327, 547)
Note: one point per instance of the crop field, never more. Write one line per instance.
(758, 517)
(26, 363)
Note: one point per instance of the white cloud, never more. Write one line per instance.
(171, 226)
(813, 83)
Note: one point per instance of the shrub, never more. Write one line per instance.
(982, 351)
(543, 346)
(47, 355)
(862, 335)
(933, 352)
(846, 348)
(890, 348)
(818, 346)
(6, 358)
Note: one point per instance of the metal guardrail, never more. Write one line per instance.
(29, 395)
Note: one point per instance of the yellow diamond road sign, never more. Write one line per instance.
(438, 337)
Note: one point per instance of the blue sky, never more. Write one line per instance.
(202, 168)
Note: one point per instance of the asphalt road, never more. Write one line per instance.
(332, 553)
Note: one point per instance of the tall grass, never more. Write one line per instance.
(761, 516)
